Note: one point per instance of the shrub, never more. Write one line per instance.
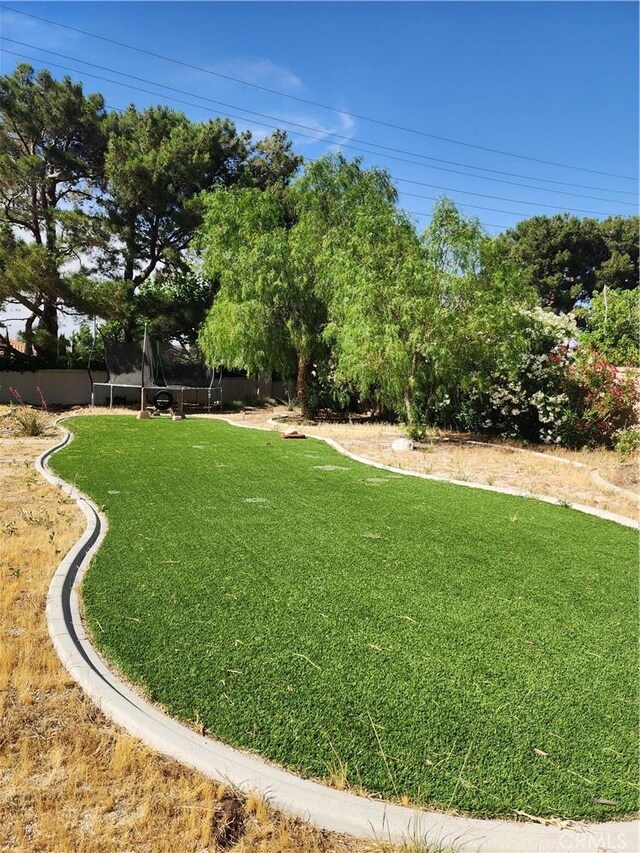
(612, 325)
(531, 404)
(574, 399)
(627, 442)
(602, 401)
(27, 421)
(416, 431)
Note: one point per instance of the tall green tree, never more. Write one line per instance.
(157, 165)
(52, 145)
(267, 251)
(567, 259)
(416, 318)
(174, 304)
(620, 270)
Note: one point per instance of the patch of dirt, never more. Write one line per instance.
(627, 475)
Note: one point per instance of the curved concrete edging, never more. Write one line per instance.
(470, 484)
(325, 807)
(594, 473)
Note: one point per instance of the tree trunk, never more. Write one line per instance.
(48, 324)
(127, 330)
(302, 384)
(28, 333)
(129, 275)
(409, 390)
(408, 407)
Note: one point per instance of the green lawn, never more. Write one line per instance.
(431, 640)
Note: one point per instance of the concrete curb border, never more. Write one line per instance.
(594, 473)
(325, 807)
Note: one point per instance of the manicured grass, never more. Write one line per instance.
(462, 648)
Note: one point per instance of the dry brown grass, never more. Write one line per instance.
(70, 780)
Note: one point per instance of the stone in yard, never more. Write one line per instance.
(402, 444)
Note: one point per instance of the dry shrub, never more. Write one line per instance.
(30, 422)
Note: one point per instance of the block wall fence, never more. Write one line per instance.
(73, 388)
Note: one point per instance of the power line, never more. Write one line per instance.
(315, 138)
(308, 127)
(415, 212)
(512, 200)
(362, 117)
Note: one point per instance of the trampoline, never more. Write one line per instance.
(165, 376)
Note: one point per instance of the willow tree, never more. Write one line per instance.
(415, 318)
(267, 250)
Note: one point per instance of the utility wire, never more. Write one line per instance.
(315, 138)
(365, 142)
(309, 127)
(362, 117)
(483, 224)
(415, 212)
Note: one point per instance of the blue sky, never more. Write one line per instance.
(550, 81)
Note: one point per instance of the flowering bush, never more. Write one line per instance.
(528, 400)
(603, 401)
(564, 397)
(534, 405)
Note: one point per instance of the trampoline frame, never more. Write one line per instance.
(142, 389)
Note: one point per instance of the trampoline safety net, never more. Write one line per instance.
(145, 365)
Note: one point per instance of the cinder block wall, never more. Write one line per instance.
(59, 387)
(73, 388)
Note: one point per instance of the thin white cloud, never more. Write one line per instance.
(34, 32)
(317, 128)
(348, 130)
(263, 72)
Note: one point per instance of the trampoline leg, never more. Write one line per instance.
(179, 416)
(143, 414)
(111, 396)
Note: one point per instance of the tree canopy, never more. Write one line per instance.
(568, 259)
(332, 282)
(415, 317)
(112, 199)
(269, 253)
(52, 145)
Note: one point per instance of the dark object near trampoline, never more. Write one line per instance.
(163, 400)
